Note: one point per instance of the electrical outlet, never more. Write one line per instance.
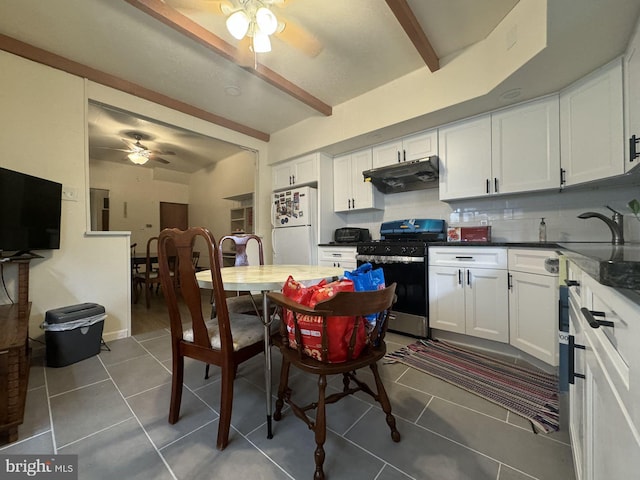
(70, 193)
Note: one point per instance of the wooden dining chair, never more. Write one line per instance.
(226, 340)
(242, 302)
(353, 304)
(149, 278)
(239, 302)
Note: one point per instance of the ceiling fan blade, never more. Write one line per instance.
(299, 38)
(159, 160)
(111, 148)
(162, 152)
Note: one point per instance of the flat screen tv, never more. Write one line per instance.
(29, 213)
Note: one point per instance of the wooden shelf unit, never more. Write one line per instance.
(14, 356)
(241, 215)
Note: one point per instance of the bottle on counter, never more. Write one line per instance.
(542, 231)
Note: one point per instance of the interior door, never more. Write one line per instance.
(174, 215)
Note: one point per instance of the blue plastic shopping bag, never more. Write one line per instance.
(365, 278)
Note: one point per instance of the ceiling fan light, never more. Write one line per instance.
(138, 158)
(261, 42)
(266, 20)
(238, 24)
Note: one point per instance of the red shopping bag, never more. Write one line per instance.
(339, 328)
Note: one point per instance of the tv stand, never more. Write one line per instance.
(25, 254)
(14, 355)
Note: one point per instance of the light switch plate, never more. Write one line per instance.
(70, 193)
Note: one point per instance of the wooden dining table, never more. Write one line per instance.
(266, 278)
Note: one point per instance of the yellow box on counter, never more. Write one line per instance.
(469, 234)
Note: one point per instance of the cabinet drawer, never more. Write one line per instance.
(337, 256)
(480, 257)
(531, 260)
(613, 343)
(337, 253)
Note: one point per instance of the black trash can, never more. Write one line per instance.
(73, 333)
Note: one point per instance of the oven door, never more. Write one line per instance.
(409, 314)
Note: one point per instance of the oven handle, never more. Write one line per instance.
(388, 259)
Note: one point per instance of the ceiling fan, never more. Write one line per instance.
(253, 22)
(138, 153)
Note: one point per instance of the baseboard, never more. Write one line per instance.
(108, 337)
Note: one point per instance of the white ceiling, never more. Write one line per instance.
(363, 47)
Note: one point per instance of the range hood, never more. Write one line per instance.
(405, 176)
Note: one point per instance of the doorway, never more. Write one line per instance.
(174, 215)
(99, 206)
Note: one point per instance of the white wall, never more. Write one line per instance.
(209, 188)
(42, 133)
(137, 187)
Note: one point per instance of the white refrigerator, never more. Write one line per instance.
(294, 222)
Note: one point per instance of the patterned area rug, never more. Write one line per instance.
(529, 393)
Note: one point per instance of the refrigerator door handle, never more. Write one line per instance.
(273, 241)
(273, 214)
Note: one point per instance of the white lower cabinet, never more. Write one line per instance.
(342, 257)
(533, 304)
(468, 291)
(604, 414)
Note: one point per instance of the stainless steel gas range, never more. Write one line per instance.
(402, 254)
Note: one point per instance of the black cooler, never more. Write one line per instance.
(73, 333)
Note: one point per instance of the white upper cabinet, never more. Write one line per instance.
(512, 150)
(591, 126)
(465, 158)
(297, 172)
(350, 191)
(632, 101)
(413, 147)
(525, 147)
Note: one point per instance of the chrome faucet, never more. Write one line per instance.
(615, 224)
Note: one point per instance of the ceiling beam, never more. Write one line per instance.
(183, 24)
(45, 57)
(412, 28)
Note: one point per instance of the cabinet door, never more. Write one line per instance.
(387, 154)
(591, 126)
(577, 394)
(487, 304)
(446, 299)
(306, 170)
(613, 445)
(362, 192)
(525, 147)
(632, 98)
(421, 145)
(282, 175)
(465, 158)
(533, 315)
(342, 183)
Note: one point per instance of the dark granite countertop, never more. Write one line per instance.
(612, 265)
(548, 245)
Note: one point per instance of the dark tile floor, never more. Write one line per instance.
(112, 410)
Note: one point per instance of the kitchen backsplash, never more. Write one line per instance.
(515, 218)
